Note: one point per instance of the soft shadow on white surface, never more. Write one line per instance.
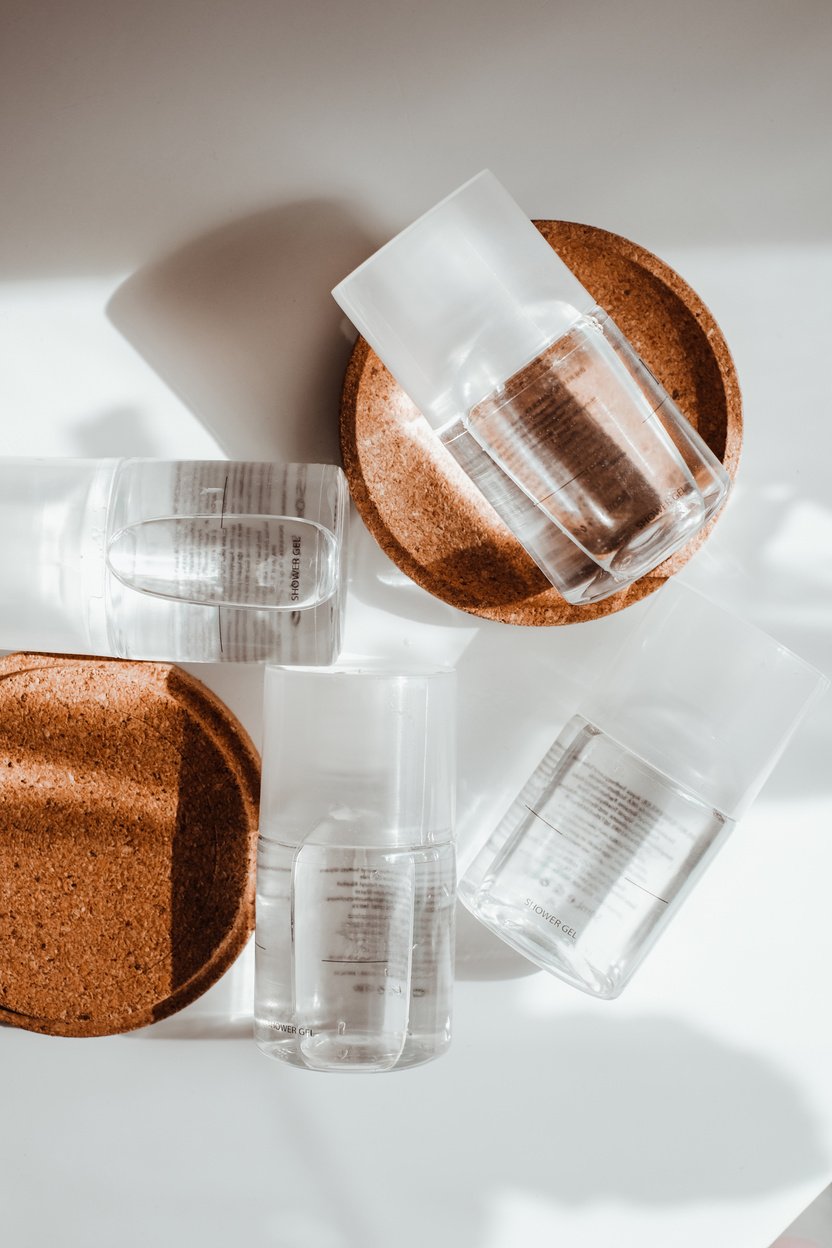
(117, 434)
(643, 1108)
(129, 125)
(644, 1112)
(481, 955)
(224, 1012)
(575, 1114)
(240, 324)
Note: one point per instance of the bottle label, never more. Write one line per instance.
(214, 560)
(353, 916)
(582, 440)
(599, 842)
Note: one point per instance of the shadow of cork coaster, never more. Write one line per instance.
(128, 824)
(432, 521)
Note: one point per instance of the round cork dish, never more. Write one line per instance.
(432, 521)
(128, 823)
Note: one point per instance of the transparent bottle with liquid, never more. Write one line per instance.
(182, 561)
(535, 392)
(356, 868)
(630, 805)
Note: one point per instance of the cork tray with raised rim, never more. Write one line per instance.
(432, 521)
(128, 823)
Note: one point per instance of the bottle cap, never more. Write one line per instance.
(360, 756)
(53, 523)
(705, 697)
(462, 299)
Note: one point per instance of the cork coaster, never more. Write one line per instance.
(432, 521)
(128, 823)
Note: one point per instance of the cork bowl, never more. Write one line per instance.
(436, 526)
(128, 822)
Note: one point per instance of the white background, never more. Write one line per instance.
(183, 182)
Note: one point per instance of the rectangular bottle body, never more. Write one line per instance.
(238, 540)
(180, 561)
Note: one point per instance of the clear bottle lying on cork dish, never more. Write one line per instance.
(182, 561)
(535, 392)
(641, 788)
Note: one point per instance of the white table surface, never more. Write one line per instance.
(184, 180)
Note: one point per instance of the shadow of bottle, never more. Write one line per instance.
(240, 323)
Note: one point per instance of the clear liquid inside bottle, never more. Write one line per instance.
(217, 561)
(588, 461)
(270, 562)
(591, 860)
(577, 577)
(354, 954)
(175, 560)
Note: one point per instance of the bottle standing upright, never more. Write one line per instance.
(356, 868)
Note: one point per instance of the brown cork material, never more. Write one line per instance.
(431, 520)
(128, 823)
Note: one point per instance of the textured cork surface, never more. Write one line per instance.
(436, 526)
(128, 823)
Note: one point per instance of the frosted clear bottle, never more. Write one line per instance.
(535, 392)
(586, 867)
(189, 561)
(630, 805)
(356, 869)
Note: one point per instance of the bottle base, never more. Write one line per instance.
(577, 971)
(354, 1054)
(654, 543)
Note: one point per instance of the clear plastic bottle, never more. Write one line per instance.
(356, 869)
(535, 392)
(189, 561)
(633, 800)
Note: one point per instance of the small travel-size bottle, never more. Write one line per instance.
(198, 561)
(535, 392)
(356, 868)
(631, 803)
